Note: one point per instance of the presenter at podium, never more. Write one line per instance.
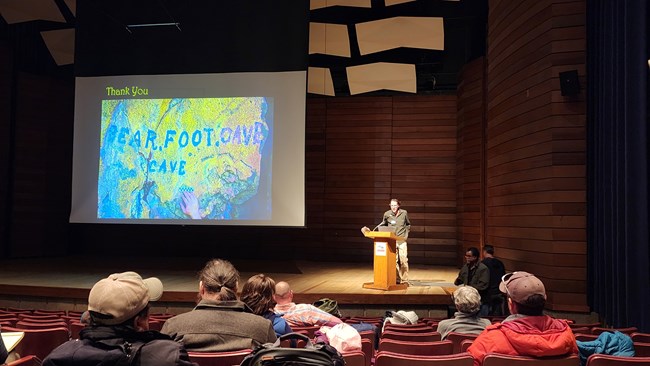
(398, 220)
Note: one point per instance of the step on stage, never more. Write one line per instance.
(64, 283)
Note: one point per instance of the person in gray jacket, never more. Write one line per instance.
(466, 319)
(220, 322)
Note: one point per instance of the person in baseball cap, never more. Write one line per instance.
(121, 296)
(527, 332)
(118, 330)
(520, 286)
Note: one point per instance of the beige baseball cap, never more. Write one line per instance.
(121, 296)
(521, 285)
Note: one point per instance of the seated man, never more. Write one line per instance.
(466, 319)
(220, 322)
(475, 274)
(299, 315)
(118, 333)
(527, 332)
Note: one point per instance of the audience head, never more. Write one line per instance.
(467, 300)
(471, 255)
(488, 250)
(258, 293)
(218, 280)
(123, 299)
(283, 294)
(526, 293)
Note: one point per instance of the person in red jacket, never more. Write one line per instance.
(527, 332)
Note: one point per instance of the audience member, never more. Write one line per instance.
(299, 315)
(257, 293)
(495, 299)
(118, 333)
(466, 319)
(219, 322)
(527, 332)
(475, 274)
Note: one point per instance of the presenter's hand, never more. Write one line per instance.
(364, 230)
(190, 205)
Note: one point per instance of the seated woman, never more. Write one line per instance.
(466, 319)
(219, 322)
(257, 293)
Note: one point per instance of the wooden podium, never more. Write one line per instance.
(384, 263)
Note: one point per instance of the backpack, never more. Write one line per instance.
(329, 306)
(272, 354)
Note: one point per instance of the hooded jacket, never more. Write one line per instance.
(608, 343)
(520, 335)
(119, 345)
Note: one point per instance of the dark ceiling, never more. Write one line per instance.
(464, 26)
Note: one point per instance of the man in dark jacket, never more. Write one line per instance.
(496, 299)
(475, 274)
(118, 333)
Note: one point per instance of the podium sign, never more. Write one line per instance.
(385, 271)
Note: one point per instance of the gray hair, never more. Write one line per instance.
(467, 300)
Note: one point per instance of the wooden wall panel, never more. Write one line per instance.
(6, 75)
(535, 141)
(470, 163)
(42, 173)
(378, 148)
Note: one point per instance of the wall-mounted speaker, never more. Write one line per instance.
(569, 83)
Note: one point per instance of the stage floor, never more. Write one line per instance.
(45, 281)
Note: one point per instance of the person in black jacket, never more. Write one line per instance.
(495, 300)
(119, 333)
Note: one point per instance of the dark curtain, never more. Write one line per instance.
(617, 92)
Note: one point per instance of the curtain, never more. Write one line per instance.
(617, 162)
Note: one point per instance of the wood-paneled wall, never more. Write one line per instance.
(536, 189)
(470, 189)
(363, 151)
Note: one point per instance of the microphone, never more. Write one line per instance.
(378, 225)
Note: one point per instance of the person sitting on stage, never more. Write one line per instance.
(219, 322)
(466, 319)
(118, 333)
(527, 332)
(475, 274)
(299, 315)
(258, 293)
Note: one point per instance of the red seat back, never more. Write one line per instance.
(219, 358)
(416, 348)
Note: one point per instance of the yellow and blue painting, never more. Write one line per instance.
(161, 158)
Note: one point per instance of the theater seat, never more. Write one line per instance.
(417, 348)
(25, 361)
(456, 338)
(396, 359)
(607, 360)
(353, 358)
(219, 358)
(412, 337)
(598, 330)
(494, 359)
(640, 337)
(39, 342)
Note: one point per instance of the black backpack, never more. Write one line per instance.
(272, 354)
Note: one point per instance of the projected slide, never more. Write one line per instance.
(195, 149)
(198, 158)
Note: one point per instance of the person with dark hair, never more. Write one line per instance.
(118, 331)
(258, 293)
(475, 274)
(219, 322)
(527, 332)
(495, 299)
